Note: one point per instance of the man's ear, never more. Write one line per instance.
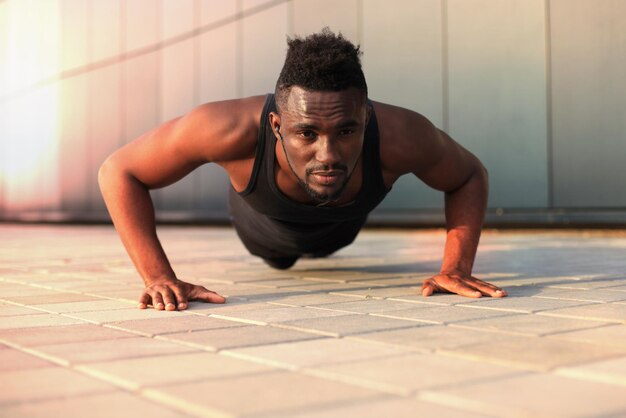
(368, 113)
(275, 124)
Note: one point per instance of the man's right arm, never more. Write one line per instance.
(161, 157)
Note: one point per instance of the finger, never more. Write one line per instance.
(458, 286)
(144, 300)
(488, 289)
(157, 300)
(168, 298)
(181, 297)
(428, 288)
(205, 295)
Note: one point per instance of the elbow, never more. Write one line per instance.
(107, 172)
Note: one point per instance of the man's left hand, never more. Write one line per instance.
(461, 284)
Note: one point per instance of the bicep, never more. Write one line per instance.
(415, 145)
(159, 157)
(209, 133)
(445, 165)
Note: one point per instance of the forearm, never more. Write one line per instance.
(132, 212)
(465, 211)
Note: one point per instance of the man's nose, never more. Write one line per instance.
(327, 151)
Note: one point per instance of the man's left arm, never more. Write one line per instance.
(464, 180)
(465, 207)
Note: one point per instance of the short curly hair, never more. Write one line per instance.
(323, 61)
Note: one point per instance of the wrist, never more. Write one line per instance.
(165, 278)
(455, 271)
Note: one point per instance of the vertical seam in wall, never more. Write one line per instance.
(89, 109)
(121, 72)
(549, 127)
(359, 22)
(290, 18)
(156, 195)
(196, 183)
(239, 48)
(445, 95)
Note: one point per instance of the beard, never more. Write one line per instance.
(320, 198)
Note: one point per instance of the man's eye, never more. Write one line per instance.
(307, 134)
(346, 132)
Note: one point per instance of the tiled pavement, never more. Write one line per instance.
(339, 337)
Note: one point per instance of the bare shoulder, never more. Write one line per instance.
(409, 141)
(224, 130)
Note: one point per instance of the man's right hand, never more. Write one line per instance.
(173, 294)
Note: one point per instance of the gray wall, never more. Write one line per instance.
(535, 88)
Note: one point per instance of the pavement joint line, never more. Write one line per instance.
(387, 388)
(468, 404)
(189, 344)
(355, 296)
(519, 333)
(589, 375)
(235, 319)
(259, 360)
(108, 377)
(307, 330)
(584, 318)
(163, 398)
(418, 302)
(33, 352)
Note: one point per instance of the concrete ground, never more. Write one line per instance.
(339, 337)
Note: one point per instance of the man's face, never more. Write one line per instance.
(322, 136)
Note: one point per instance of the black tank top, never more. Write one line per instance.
(270, 223)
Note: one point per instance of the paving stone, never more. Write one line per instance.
(114, 404)
(347, 324)
(14, 310)
(268, 393)
(596, 295)
(27, 294)
(242, 336)
(59, 298)
(372, 291)
(366, 306)
(85, 306)
(522, 304)
(43, 319)
(313, 299)
(406, 374)
(533, 353)
(32, 337)
(536, 395)
(284, 282)
(609, 312)
(44, 383)
(428, 337)
(173, 368)
(618, 288)
(11, 359)
(131, 295)
(589, 284)
(443, 314)
(610, 336)
(103, 350)
(314, 352)
(528, 324)
(383, 407)
(179, 324)
(119, 315)
(278, 314)
(611, 371)
(443, 299)
(231, 305)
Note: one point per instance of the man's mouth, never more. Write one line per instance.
(327, 178)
